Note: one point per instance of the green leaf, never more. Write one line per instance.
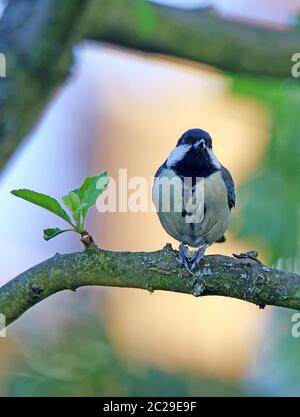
(51, 233)
(72, 201)
(43, 200)
(90, 190)
(77, 216)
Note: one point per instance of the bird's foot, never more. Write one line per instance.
(191, 262)
(198, 256)
(184, 257)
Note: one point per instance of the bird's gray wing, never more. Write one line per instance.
(227, 178)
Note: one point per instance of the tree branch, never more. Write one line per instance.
(201, 35)
(246, 279)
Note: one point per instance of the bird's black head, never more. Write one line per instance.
(198, 138)
(193, 155)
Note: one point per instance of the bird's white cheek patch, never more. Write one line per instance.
(177, 154)
(213, 159)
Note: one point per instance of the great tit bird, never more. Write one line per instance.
(193, 195)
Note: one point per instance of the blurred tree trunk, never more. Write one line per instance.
(37, 36)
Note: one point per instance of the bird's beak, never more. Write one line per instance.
(200, 146)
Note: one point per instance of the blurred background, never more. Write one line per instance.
(125, 109)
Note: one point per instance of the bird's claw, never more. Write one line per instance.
(198, 256)
(184, 257)
(191, 262)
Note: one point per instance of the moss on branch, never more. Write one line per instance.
(246, 278)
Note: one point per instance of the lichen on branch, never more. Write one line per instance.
(244, 278)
